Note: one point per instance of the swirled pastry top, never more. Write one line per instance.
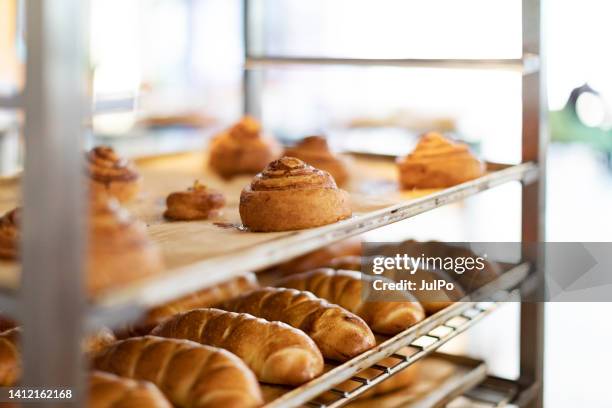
(9, 233)
(113, 224)
(438, 162)
(105, 165)
(291, 173)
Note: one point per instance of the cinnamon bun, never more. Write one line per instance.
(291, 195)
(9, 234)
(243, 149)
(438, 162)
(119, 248)
(112, 175)
(315, 151)
(197, 203)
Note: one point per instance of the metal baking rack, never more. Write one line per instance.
(423, 339)
(51, 298)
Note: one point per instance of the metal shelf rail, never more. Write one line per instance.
(534, 144)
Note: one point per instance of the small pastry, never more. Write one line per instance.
(438, 162)
(111, 175)
(9, 234)
(291, 195)
(197, 203)
(315, 151)
(243, 149)
(119, 248)
(321, 257)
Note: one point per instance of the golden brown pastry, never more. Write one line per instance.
(120, 250)
(315, 151)
(434, 300)
(99, 340)
(110, 391)
(344, 288)
(189, 374)
(347, 263)
(207, 297)
(9, 234)
(339, 334)
(276, 352)
(320, 257)
(197, 203)
(403, 379)
(10, 360)
(243, 149)
(291, 195)
(112, 175)
(438, 162)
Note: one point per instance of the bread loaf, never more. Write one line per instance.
(339, 334)
(110, 391)
(189, 374)
(344, 288)
(207, 297)
(10, 361)
(276, 352)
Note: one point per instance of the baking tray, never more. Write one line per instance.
(422, 339)
(203, 253)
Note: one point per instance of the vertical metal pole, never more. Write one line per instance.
(252, 80)
(52, 302)
(535, 138)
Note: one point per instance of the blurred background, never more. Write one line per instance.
(166, 74)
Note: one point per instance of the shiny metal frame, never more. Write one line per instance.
(51, 304)
(534, 146)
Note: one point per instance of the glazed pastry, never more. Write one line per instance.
(243, 149)
(344, 288)
(291, 195)
(110, 391)
(111, 175)
(189, 374)
(315, 151)
(276, 352)
(120, 250)
(197, 203)
(10, 360)
(9, 234)
(339, 334)
(321, 257)
(207, 297)
(438, 162)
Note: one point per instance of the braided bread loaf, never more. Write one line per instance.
(109, 391)
(207, 297)
(344, 288)
(10, 360)
(189, 374)
(339, 334)
(277, 353)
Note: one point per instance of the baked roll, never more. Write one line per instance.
(9, 234)
(119, 248)
(197, 203)
(112, 175)
(207, 297)
(339, 334)
(189, 374)
(10, 359)
(99, 340)
(344, 288)
(315, 151)
(110, 391)
(243, 149)
(321, 257)
(438, 162)
(276, 352)
(291, 195)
